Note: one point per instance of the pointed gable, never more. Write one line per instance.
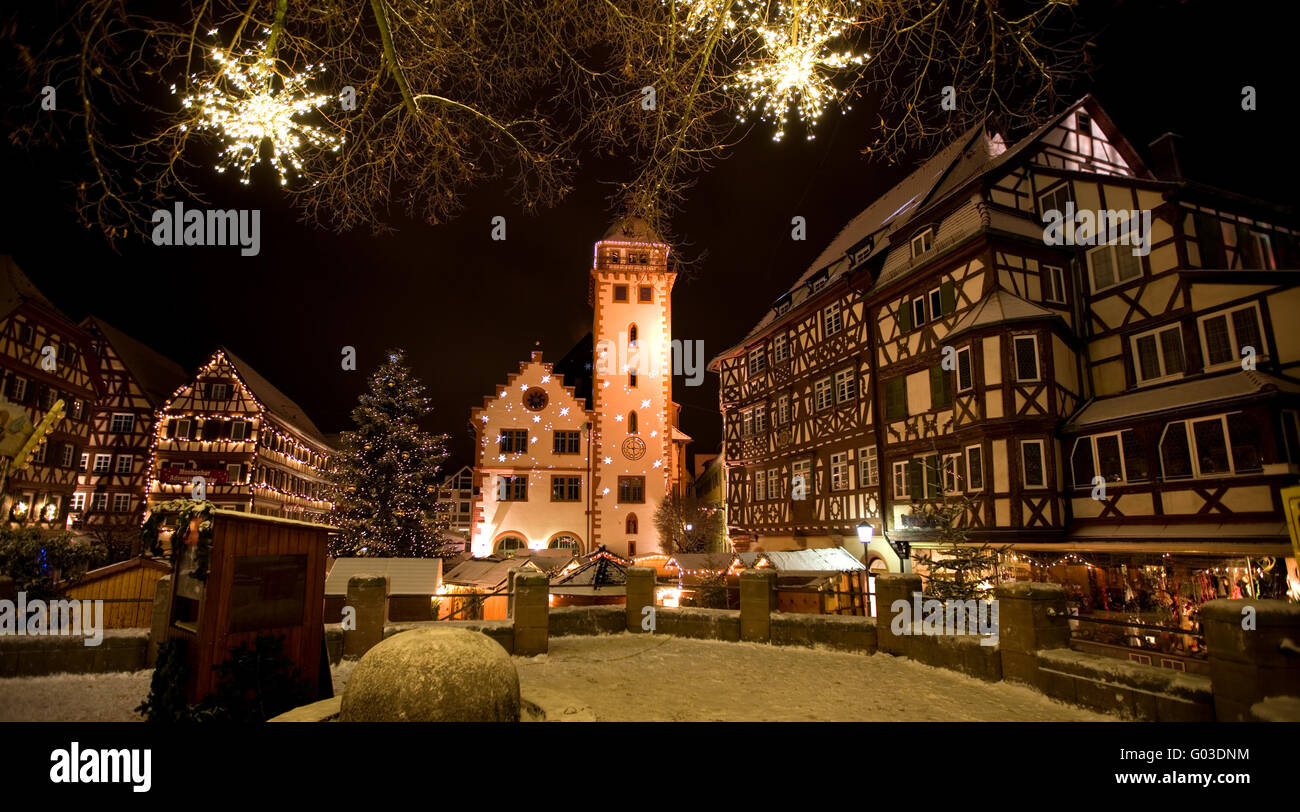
(157, 375)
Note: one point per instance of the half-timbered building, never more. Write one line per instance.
(243, 442)
(1124, 383)
(110, 495)
(45, 359)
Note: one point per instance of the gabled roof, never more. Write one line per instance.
(702, 562)
(548, 561)
(810, 563)
(939, 180)
(272, 399)
(1203, 391)
(16, 288)
(1000, 307)
(157, 375)
(406, 576)
(601, 570)
(486, 573)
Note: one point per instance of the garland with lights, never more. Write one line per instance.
(185, 510)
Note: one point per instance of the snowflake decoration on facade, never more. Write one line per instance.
(796, 71)
(248, 101)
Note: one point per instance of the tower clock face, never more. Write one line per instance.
(535, 399)
(634, 448)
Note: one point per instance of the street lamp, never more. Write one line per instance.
(865, 531)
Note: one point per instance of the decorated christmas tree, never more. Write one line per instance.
(957, 570)
(387, 474)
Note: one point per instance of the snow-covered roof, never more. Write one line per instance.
(406, 576)
(1236, 384)
(712, 562)
(489, 572)
(603, 573)
(1000, 307)
(811, 563)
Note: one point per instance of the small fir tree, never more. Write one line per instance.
(386, 478)
(956, 570)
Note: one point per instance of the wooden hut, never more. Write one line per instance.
(126, 588)
(412, 585)
(266, 575)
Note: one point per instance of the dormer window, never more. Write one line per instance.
(922, 242)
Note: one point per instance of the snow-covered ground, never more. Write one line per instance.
(647, 678)
(91, 697)
(643, 678)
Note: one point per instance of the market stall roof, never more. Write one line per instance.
(601, 573)
(548, 561)
(487, 573)
(406, 576)
(701, 562)
(810, 563)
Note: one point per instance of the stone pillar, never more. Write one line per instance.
(1031, 617)
(532, 613)
(162, 613)
(756, 590)
(890, 587)
(368, 598)
(640, 594)
(1254, 648)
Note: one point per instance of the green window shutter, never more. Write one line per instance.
(905, 316)
(1209, 238)
(915, 479)
(896, 399)
(940, 386)
(947, 297)
(934, 484)
(1247, 252)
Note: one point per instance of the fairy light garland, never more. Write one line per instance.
(796, 71)
(248, 101)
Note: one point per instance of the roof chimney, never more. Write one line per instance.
(1164, 157)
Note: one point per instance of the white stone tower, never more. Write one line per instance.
(631, 293)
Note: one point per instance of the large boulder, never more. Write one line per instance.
(433, 675)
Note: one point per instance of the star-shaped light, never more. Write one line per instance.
(523, 387)
(645, 404)
(501, 458)
(249, 101)
(797, 68)
(564, 412)
(618, 418)
(608, 460)
(546, 379)
(536, 419)
(657, 464)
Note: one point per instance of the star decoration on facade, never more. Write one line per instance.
(605, 492)
(501, 458)
(503, 394)
(654, 434)
(546, 379)
(645, 404)
(609, 460)
(523, 387)
(657, 464)
(564, 412)
(536, 419)
(618, 418)
(605, 385)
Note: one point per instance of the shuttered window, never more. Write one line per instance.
(896, 399)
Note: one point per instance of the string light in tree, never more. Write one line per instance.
(249, 101)
(798, 65)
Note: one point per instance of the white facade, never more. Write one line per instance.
(632, 388)
(523, 453)
(624, 462)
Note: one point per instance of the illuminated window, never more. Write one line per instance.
(509, 545)
(630, 524)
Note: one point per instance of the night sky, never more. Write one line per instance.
(468, 309)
